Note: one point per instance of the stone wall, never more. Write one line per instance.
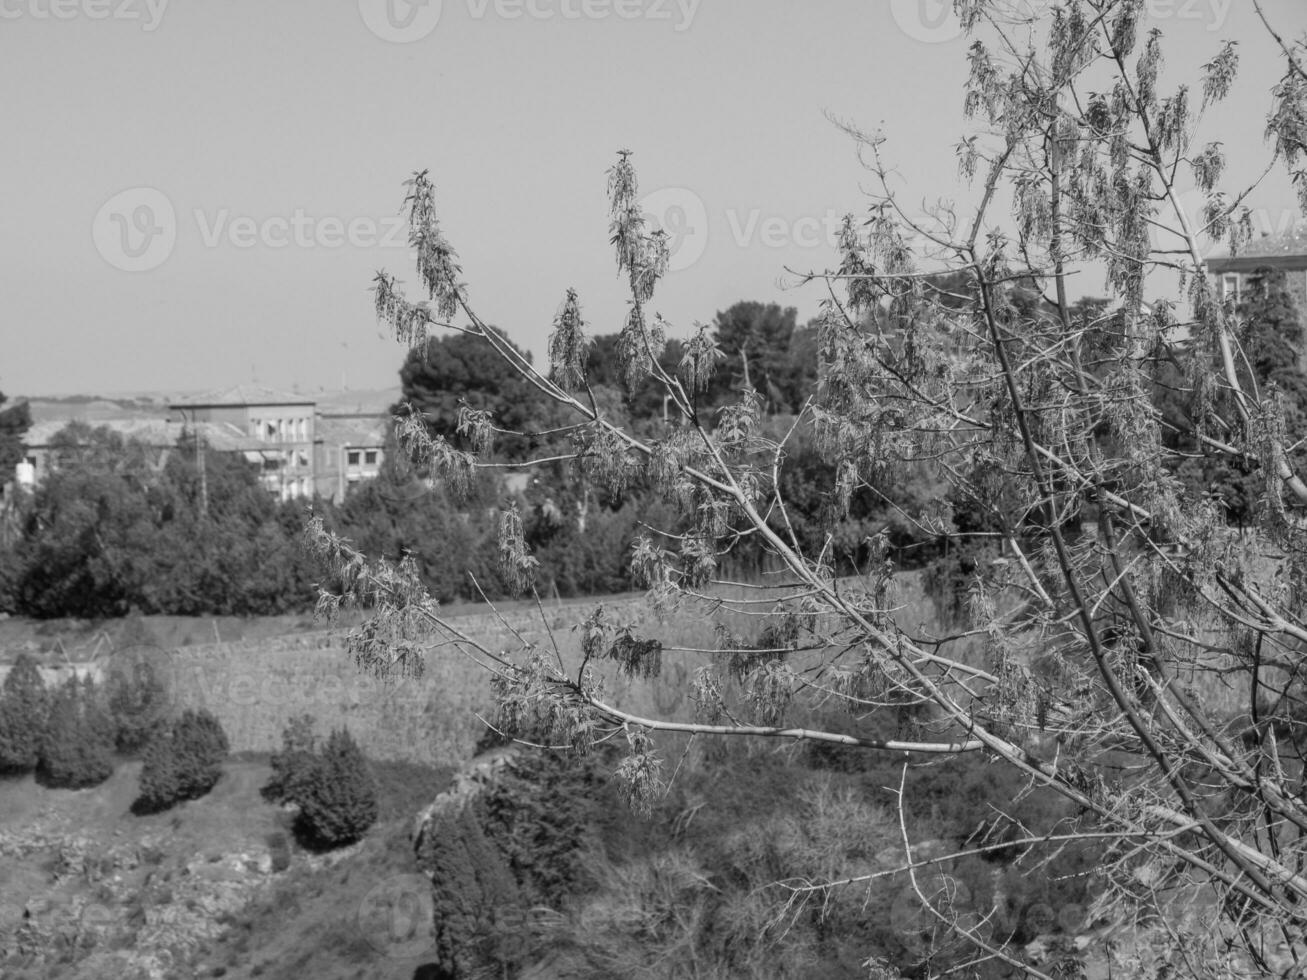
(255, 687)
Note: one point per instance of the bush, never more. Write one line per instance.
(24, 710)
(294, 766)
(183, 764)
(76, 749)
(338, 802)
(137, 701)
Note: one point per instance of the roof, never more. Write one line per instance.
(158, 433)
(242, 395)
(366, 401)
(335, 431)
(1287, 247)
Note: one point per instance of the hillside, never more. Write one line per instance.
(104, 893)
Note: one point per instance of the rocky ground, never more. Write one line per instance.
(89, 890)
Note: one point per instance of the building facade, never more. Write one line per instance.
(301, 448)
(1285, 251)
(350, 448)
(279, 426)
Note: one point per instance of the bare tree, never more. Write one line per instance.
(1137, 656)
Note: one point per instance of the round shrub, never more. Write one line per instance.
(338, 801)
(182, 764)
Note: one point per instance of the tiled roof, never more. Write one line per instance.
(158, 433)
(350, 431)
(1290, 241)
(243, 395)
(367, 401)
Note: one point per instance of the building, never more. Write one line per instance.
(1285, 250)
(279, 427)
(349, 449)
(301, 448)
(158, 435)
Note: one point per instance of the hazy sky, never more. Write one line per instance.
(197, 194)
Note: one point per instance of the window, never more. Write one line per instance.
(304, 430)
(353, 456)
(1230, 286)
(270, 431)
(256, 428)
(370, 457)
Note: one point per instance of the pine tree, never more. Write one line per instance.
(293, 766)
(339, 802)
(24, 709)
(77, 749)
(183, 764)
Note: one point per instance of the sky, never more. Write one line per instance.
(198, 194)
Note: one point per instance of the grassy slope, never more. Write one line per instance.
(305, 918)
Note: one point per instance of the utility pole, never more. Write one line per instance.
(200, 455)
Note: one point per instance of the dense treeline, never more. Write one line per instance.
(117, 527)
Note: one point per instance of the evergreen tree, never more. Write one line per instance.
(137, 701)
(15, 420)
(77, 749)
(339, 802)
(24, 707)
(184, 764)
(294, 766)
